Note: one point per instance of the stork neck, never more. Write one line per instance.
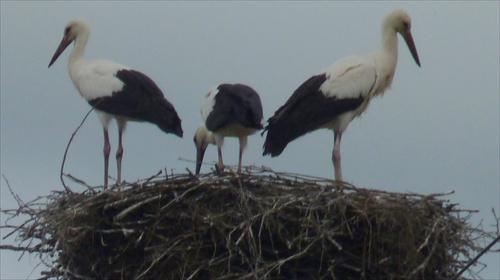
(389, 45)
(78, 49)
(386, 59)
(388, 54)
(210, 137)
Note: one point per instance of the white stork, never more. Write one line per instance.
(333, 98)
(232, 110)
(115, 91)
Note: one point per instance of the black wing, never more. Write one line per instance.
(236, 103)
(140, 99)
(305, 111)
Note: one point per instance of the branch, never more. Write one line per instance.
(61, 175)
(476, 258)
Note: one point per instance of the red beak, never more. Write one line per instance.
(200, 153)
(62, 46)
(411, 45)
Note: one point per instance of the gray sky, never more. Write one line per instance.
(435, 130)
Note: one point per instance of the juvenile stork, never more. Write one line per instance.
(232, 110)
(115, 91)
(334, 97)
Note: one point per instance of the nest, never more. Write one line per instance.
(257, 225)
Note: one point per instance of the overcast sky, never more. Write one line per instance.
(436, 130)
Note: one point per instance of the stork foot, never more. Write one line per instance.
(219, 168)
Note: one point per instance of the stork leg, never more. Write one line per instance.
(119, 152)
(243, 144)
(336, 156)
(106, 150)
(220, 164)
(219, 141)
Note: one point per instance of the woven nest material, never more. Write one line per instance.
(257, 225)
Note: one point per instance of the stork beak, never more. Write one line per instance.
(200, 153)
(411, 45)
(62, 46)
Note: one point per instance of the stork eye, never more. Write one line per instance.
(406, 25)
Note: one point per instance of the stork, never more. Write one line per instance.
(332, 98)
(233, 110)
(115, 91)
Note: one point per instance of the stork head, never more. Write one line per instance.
(74, 29)
(202, 138)
(400, 21)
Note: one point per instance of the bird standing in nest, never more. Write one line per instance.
(334, 97)
(115, 91)
(232, 110)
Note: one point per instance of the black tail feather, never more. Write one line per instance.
(278, 136)
(166, 119)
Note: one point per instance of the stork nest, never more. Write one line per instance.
(257, 225)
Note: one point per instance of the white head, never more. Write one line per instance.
(76, 28)
(202, 138)
(400, 22)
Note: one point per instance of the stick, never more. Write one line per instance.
(16, 197)
(61, 175)
(476, 258)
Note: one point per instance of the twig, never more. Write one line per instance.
(81, 182)
(430, 254)
(28, 249)
(61, 175)
(16, 197)
(497, 219)
(135, 206)
(152, 177)
(471, 262)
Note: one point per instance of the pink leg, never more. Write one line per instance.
(336, 156)
(119, 153)
(106, 150)
(239, 160)
(219, 141)
(243, 144)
